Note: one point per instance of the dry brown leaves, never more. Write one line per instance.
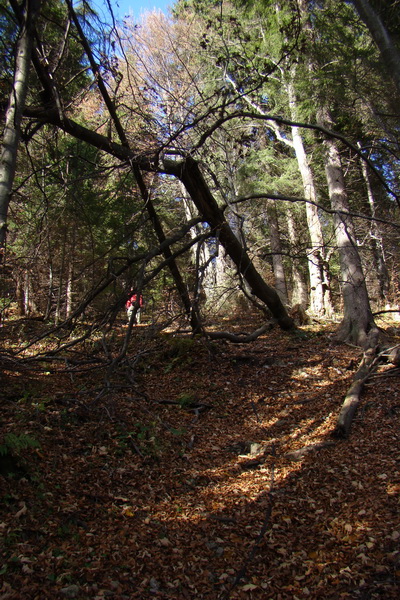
(190, 481)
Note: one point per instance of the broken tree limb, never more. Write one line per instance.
(297, 455)
(239, 339)
(352, 399)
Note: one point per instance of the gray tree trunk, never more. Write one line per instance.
(378, 251)
(386, 45)
(320, 303)
(300, 290)
(358, 324)
(320, 300)
(276, 251)
(13, 118)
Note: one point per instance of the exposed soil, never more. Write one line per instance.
(199, 471)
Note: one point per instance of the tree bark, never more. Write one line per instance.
(387, 47)
(378, 251)
(191, 310)
(320, 300)
(352, 399)
(276, 251)
(358, 325)
(16, 104)
(299, 291)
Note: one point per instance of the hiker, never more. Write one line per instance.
(131, 305)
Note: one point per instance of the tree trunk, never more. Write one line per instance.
(387, 47)
(60, 290)
(320, 300)
(299, 291)
(276, 251)
(69, 282)
(16, 104)
(190, 309)
(212, 276)
(352, 399)
(377, 242)
(358, 324)
(189, 173)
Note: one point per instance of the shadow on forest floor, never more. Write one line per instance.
(180, 473)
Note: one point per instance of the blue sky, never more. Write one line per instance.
(125, 7)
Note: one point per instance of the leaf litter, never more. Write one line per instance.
(205, 471)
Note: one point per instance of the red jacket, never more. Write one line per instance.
(132, 300)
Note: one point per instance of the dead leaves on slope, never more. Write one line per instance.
(130, 498)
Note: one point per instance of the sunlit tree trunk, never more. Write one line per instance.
(320, 300)
(60, 289)
(358, 324)
(70, 276)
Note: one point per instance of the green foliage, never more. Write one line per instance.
(14, 444)
(185, 399)
(179, 350)
(143, 436)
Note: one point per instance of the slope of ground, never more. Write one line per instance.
(199, 471)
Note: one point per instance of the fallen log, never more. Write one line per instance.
(352, 399)
(241, 338)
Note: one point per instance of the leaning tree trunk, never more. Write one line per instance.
(191, 310)
(16, 104)
(382, 38)
(358, 325)
(189, 173)
(213, 273)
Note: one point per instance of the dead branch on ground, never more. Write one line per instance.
(349, 407)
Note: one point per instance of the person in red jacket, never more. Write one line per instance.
(131, 304)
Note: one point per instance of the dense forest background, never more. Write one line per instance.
(236, 164)
(227, 157)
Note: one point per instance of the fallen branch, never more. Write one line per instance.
(297, 455)
(352, 399)
(239, 339)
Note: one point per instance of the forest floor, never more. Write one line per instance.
(178, 476)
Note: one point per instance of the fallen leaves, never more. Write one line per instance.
(137, 499)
